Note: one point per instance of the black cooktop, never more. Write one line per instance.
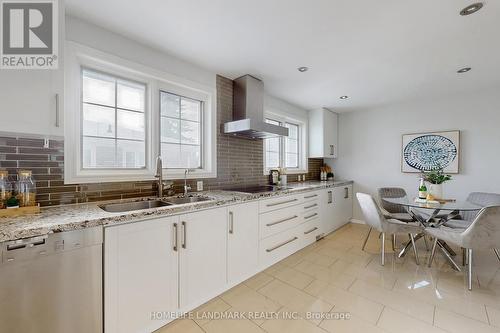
(258, 189)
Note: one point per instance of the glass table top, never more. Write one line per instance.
(451, 206)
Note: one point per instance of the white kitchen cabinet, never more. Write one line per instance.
(336, 208)
(330, 212)
(202, 265)
(140, 274)
(346, 199)
(32, 99)
(323, 134)
(243, 242)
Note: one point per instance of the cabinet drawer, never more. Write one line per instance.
(309, 230)
(278, 247)
(279, 202)
(279, 220)
(310, 196)
(310, 205)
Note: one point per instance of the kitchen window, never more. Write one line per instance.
(286, 152)
(113, 132)
(181, 131)
(120, 116)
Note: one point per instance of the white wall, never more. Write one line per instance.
(370, 143)
(272, 103)
(104, 40)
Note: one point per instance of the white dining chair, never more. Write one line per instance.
(482, 199)
(375, 218)
(482, 234)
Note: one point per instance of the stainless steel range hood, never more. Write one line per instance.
(248, 111)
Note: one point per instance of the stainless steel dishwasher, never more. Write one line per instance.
(52, 284)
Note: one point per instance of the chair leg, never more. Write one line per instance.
(382, 256)
(394, 242)
(431, 258)
(469, 270)
(425, 242)
(497, 253)
(366, 239)
(414, 248)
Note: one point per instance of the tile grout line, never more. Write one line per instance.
(380, 316)
(487, 315)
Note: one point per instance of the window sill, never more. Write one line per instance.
(289, 171)
(198, 174)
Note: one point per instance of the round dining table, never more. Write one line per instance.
(433, 214)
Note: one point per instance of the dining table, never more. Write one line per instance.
(433, 214)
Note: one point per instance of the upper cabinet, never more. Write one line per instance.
(32, 99)
(323, 134)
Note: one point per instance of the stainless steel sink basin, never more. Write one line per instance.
(185, 200)
(136, 205)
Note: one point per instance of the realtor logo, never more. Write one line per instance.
(29, 34)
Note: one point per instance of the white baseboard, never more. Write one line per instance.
(357, 221)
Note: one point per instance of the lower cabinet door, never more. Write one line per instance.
(330, 209)
(140, 275)
(342, 197)
(202, 239)
(243, 241)
(347, 204)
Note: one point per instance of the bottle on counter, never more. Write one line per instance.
(5, 188)
(26, 189)
(422, 189)
(283, 177)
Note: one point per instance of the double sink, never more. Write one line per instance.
(148, 204)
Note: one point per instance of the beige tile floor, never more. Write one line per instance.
(335, 276)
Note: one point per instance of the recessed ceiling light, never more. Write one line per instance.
(344, 97)
(471, 9)
(464, 70)
(302, 69)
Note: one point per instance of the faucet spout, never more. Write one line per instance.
(159, 175)
(186, 187)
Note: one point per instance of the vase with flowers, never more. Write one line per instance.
(436, 178)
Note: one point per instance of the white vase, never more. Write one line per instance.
(436, 190)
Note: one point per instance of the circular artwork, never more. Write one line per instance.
(430, 152)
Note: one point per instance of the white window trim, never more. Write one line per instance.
(302, 122)
(78, 56)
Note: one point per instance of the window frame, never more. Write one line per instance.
(115, 108)
(78, 56)
(301, 122)
(208, 132)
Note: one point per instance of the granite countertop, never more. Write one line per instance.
(79, 216)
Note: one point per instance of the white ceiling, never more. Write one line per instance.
(376, 51)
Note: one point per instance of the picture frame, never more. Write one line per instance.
(423, 152)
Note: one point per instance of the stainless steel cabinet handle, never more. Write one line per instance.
(10, 259)
(231, 222)
(280, 203)
(281, 221)
(57, 123)
(310, 196)
(310, 206)
(282, 244)
(346, 192)
(332, 150)
(183, 234)
(175, 241)
(308, 232)
(330, 197)
(312, 215)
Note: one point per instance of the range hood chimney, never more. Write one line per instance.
(248, 111)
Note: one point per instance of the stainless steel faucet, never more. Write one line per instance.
(159, 175)
(186, 187)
